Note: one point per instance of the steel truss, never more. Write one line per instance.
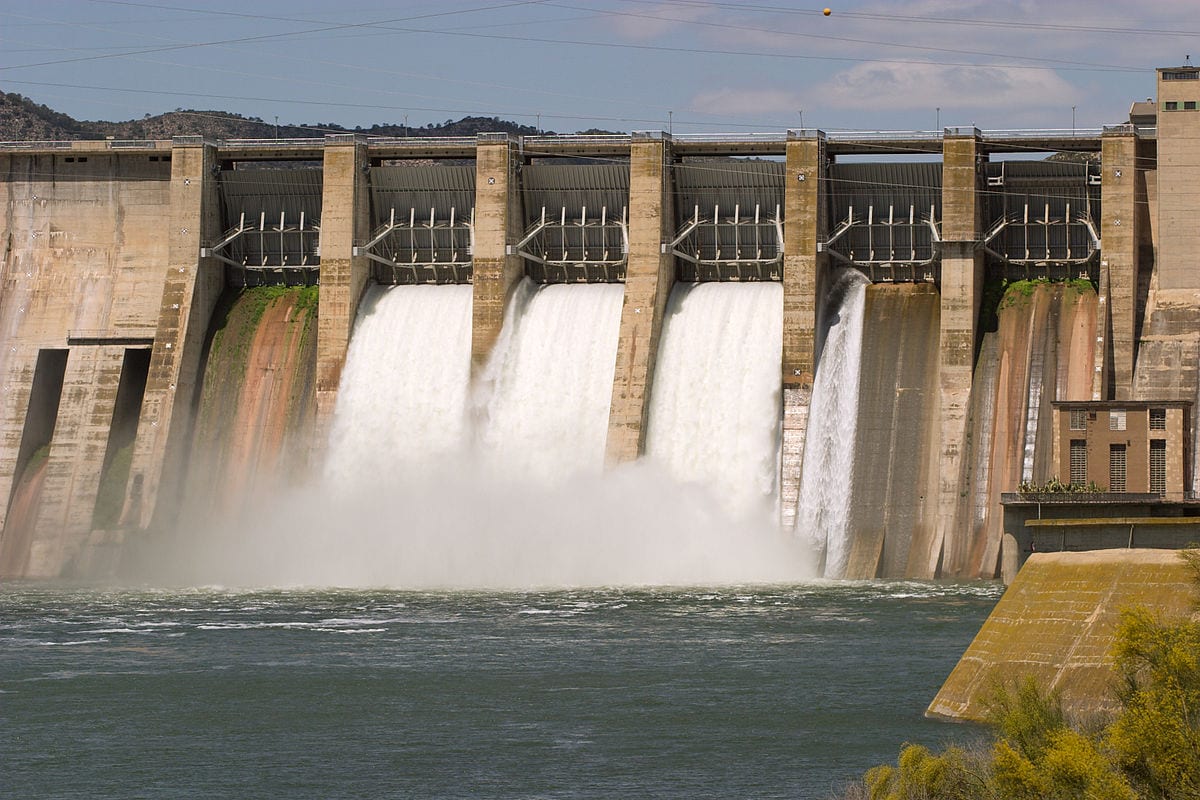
(422, 250)
(585, 250)
(732, 247)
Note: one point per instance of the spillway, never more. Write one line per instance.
(895, 461)
(255, 398)
(1043, 349)
(715, 412)
(823, 507)
(405, 388)
(542, 406)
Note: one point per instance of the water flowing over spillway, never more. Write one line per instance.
(405, 386)
(715, 411)
(545, 395)
(433, 480)
(823, 509)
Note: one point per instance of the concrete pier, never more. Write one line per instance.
(805, 267)
(961, 287)
(190, 289)
(345, 222)
(497, 227)
(1119, 233)
(648, 280)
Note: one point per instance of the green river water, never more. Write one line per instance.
(756, 692)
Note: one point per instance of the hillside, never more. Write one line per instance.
(22, 119)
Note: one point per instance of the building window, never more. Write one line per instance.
(1171, 105)
(1116, 419)
(1189, 75)
(1158, 466)
(1078, 419)
(1158, 419)
(1079, 462)
(1189, 105)
(1116, 467)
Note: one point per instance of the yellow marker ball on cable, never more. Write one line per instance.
(827, 12)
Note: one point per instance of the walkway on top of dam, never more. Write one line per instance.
(575, 145)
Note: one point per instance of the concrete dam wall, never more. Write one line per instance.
(143, 384)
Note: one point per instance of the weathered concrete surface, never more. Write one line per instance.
(189, 292)
(1120, 256)
(649, 277)
(1055, 624)
(895, 477)
(961, 286)
(345, 222)
(497, 226)
(256, 403)
(64, 516)
(1178, 177)
(83, 254)
(1043, 351)
(804, 272)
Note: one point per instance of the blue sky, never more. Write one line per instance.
(693, 66)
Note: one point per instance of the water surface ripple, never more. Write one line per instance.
(747, 692)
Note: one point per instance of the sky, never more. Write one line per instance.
(686, 66)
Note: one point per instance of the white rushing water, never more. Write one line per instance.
(544, 399)
(823, 508)
(405, 386)
(715, 413)
(501, 485)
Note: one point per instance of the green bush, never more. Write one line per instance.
(1148, 750)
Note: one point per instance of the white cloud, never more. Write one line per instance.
(921, 85)
(642, 24)
(736, 101)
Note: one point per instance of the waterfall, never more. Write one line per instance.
(542, 407)
(823, 509)
(404, 390)
(715, 413)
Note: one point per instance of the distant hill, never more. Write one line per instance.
(21, 119)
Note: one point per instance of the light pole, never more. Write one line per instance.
(1072, 120)
(802, 119)
(938, 120)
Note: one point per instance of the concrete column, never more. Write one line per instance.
(649, 276)
(81, 434)
(345, 221)
(190, 292)
(498, 226)
(18, 366)
(961, 286)
(804, 271)
(1119, 252)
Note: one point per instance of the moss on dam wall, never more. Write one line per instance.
(256, 398)
(1056, 624)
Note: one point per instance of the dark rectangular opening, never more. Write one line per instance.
(118, 455)
(32, 457)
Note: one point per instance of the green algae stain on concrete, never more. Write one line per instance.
(1055, 623)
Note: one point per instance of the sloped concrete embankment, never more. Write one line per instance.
(1056, 624)
(256, 400)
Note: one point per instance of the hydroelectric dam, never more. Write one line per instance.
(807, 325)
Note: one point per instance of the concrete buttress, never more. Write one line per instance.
(190, 292)
(497, 226)
(804, 272)
(345, 222)
(961, 288)
(649, 276)
(1119, 254)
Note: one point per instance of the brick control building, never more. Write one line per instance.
(1125, 446)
